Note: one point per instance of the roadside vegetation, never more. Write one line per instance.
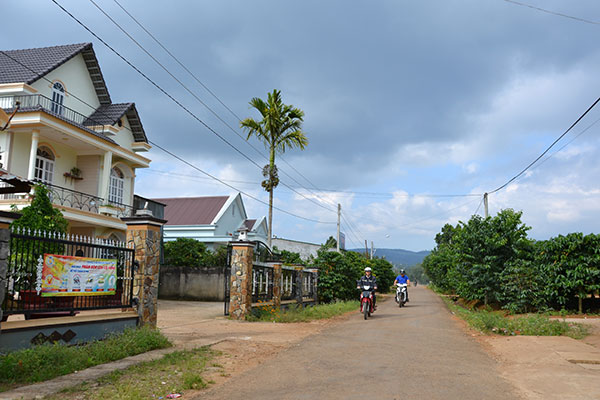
(492, 261)
(44, 362)
(338, 273)
(501, 323)
(185, 252)
(175, 373)
(268, 313)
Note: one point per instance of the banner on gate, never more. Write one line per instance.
(78, 276)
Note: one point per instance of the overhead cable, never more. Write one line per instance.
(548, 149)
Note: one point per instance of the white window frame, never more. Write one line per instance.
(116, 186)
(58, 98)
(44, 165)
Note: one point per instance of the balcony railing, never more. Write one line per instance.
(30, 102)
(78, 200)
(74, 199)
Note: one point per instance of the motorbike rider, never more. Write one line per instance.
(402, 278)
(370, 280)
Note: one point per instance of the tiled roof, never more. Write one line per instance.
(192, 210)
(29, 65)
(250, 223)
(109, 114)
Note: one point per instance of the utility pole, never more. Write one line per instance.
(372, 250)
(485, 204)
(338, 227)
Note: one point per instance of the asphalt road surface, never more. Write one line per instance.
(415, 352)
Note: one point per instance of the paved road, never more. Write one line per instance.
(417, 352)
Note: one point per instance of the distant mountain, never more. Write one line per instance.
(399, 257)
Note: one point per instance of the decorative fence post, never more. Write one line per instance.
(299, 285)
(277, 290)
(143, 230)
(240, 303)
(5, 219)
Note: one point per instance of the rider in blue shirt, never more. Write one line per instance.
(402, 278)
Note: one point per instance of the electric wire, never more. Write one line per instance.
(73, 95)
(219, 100)
(480, 203)
(553, 12)
(547, 149)
(169, 95)
(222, 103)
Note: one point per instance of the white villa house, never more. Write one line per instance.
(213, 220)
(68, 134)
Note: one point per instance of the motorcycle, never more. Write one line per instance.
(401, 294)
(366, 300)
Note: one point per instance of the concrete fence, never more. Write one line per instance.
(186, 283)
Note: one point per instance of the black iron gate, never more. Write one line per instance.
(227, 279)
(24, 275)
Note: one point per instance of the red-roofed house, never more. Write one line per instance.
(213, 220)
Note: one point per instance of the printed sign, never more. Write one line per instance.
(78, 276)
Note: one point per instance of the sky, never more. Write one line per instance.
(413, 109)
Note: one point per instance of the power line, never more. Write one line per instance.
(170, 153)
(176, 59)
(169, 95)
(479, 206)
(568, 143)
(224, 105)
(587, 21)
(234, 188)
(548, 149)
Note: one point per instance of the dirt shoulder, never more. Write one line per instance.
(548, 367)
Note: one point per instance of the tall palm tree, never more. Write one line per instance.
(279, 129)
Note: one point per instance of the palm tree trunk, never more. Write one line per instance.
(270, 217)
(272, 164)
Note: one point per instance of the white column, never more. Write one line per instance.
(107, 164)
(35, 139)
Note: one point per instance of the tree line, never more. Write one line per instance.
(494, 261)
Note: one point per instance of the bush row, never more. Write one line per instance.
(338, 273)
(492, 260)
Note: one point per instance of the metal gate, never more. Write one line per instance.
(227, 276)
(24, 275)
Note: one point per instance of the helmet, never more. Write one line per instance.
(368, 269)
(402, 271)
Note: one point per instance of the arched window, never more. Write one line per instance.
(58, 98)
(44, 165)
(115, 190)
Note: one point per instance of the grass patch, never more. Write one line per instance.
(268, 313)
(41, 363)
(497, 322)
(176, 372)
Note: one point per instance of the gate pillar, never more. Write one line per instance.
(5, 219)
(144, 231)
(299, 286)
(277, 286)
(240, 302)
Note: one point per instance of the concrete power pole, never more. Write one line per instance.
(485, 204)
(372, 250)
(338, 227)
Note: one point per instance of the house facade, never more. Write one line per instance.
(213, 220)
(68, 134)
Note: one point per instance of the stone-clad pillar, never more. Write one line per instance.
(5, 219)
(145, 233)
(240, 299)
(299, 285)
(277, 286)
